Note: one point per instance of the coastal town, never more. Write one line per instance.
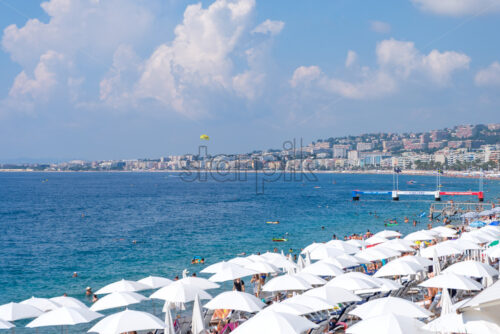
(463, 148)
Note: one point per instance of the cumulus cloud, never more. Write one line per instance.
(269, 27)
(380, 27)
(458, 7)
(397, 62)
(489, 76)
(351, 58)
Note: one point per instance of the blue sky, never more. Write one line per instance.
(119, 79)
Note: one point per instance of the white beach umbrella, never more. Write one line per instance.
(121, 286)
(43, 304)
(476, 238)
(343, 246)
(424, 262)
(463, 244)
(315, 303)
(242, 261)
(352, 283)
(301, 264)
(377, 253)
(395, 305)
(441, 249)
(180, 292)
(199, 282)
(356, 242)
(262, 267)
(169, 323)
(197, 322)
(399, 268)
(420, 236)
(235, 300)
(341, 262)
(65, 316)
(323, 268)
(468, 322)
(472, 269)
(323, 251)
(388, 324)
(229, 272)
(17, 311)
(216, 267)
(310, 247)
(388, 234)
(333, 294)
(399, 245)
(451, 281)
(285, 283)
(271, 322)
(6, 325)
(127, 321)
(387, 284)
(311, 278)
(445, 231)
(69, 302)
(353, 258)
(373, 240)
(117, 299)
(155, 282)
(288, 308)
(493, 252)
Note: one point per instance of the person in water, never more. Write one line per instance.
(88, 291)
(94, 298)
(238, 285)
(407, 220)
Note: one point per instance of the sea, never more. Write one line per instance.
(107, 226)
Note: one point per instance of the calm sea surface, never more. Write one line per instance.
(53, 224)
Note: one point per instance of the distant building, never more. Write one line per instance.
(435, 145)
(364, 146)
(465, 131)
(437, 135)
(391, 145)
(340, 151)
(455, 143)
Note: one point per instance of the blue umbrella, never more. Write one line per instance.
(495, 223)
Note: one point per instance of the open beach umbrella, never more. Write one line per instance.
(315, 303)
(180, 292)
(6, 325)
(64, 316)
(472, 269)
(445, 231)
(343, 246)
(235, 300)
(463, 244)
(476, 238)
(440, 249)
(69, 302)
(493, 252)
(272, 322)
(451, 281)
(333, 294)
(310, 247)
(356, 242)
(395, 305)
(18, 311)
(155, 282)
(323, 268)
(388, 234)
(388, 323)
(377, 253)
(121, 286)
(311, 278)
(387, 284)
(354, 258)
(127, 321)
(399, 268)
(399, 245)
(473, 322)
(288, 308)
(424, 262)
(230, 271)
(262, 267)
(169, 323)
(286, 283)
(420, 236)
(373, 240)
(43, 304)
(216, 267)
(324, 251)
(242, 261)
(197, 323)
(117, 299)
(352, 283)
(199, 282)
(342, 262)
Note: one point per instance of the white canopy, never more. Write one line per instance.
(377, 253)
(180, 292)
(123, 285)
(343, 246)
(127, 321)
(230, 271)
(441, 249)
(311, 279)
(117, 299)
(6, 325)
(17, 311)
(199, 282)
(388, 323)
(420, 235)
(262, 267)
(323, 268)
(287, 282)
(197, 322)
(399, 268)
(388, 234)
(333, 294)
(69, 302)
(315, 303)
(352, 283)
(271, 322)
(373, 240)
(424, 262)
(451, 281)
(43, 304)
(63, 316)
(236, 300)
(324, 251)
(472, 269)
(342, 262)
(155, 282)
(382, 306)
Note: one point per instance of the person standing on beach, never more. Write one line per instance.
(255, 281)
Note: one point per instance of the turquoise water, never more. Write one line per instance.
(54, 224)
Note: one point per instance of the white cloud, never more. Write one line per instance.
(380, 27)
(351, 58)
(397, 60)
(458, 7)
(269, 27)
(489, 76)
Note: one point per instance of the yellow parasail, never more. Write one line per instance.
(204, 137)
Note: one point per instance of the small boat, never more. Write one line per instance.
(391, 224)
(274, 222)
(280, 239)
